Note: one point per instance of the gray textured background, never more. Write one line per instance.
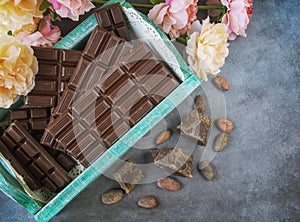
(258, 175)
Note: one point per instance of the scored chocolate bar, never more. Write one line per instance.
(102, 51)
(35, 120)
(111, 18)
(31, 161)
(119, 100)
(55, 69)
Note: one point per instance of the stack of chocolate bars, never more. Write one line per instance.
(83, 102)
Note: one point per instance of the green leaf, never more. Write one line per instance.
(154, 2)
(9, 32)
(45, 4)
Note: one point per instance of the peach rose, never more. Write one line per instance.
(175, 16)
(16, 13)
(71, 8)
(207, 48)
(18, 67)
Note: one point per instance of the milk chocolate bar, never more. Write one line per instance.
(111, 18)
(35, 120)
(31, 161)
(119, 100)
(55, 69)
(102, 51)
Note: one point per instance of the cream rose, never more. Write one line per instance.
(18, 67)
(16, 13)
(207, 48)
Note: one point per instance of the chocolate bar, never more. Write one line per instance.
(61, 158)
(101, 52)
(119, 100)
(31, 161)
(111, 18)
(55, 69)
(35, 120)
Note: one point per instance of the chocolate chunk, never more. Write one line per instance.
(128, 176)
(55, 69)
(196, 125)
(31, 161)
(174, 160)
(106, 112)
(111, 18)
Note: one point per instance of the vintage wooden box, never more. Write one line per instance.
(143, 29)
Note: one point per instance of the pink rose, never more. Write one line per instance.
(45, 36)
(175, 16)
(71, 8)
(236, 18)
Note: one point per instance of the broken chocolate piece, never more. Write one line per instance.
(128, 176)
(35, 120)
(111, 18)
(174, 160)
(31, 161)
(196, 125)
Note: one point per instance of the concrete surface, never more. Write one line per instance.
(258, 174)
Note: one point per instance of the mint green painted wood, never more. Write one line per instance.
(10, 186)
(118, 149)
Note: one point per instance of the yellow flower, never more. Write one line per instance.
(16, 13)
(207, 49)
(18, 67)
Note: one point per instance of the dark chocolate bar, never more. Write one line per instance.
(119, 100)
(102, 51)
(31, 161)
(35, 120)
(111, 18)
(55, 69)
